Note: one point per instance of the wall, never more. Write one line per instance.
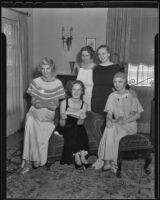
(47, 25)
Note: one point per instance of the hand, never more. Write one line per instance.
(120, 120)
(49, 117)
(62, 122)
(82, 115)
(63, 116)
(80, 122)
(109, 124)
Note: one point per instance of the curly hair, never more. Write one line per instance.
(69, 87)
(89, 49)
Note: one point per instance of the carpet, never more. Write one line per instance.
(65, 182)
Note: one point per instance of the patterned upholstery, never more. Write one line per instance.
(135, 142)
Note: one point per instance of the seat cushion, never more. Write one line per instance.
(135, 142)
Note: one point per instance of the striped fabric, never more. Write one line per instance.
(49, 92)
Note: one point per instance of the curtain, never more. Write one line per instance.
(17, 70)
(24, 63)
(130, 35)
(10, 29)
(118, 33)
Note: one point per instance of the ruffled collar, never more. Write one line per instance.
(121, 96)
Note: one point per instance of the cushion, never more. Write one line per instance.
(135, 142)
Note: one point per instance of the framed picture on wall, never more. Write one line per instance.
(91, 42)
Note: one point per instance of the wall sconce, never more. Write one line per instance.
(67, 40)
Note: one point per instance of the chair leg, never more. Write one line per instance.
(119, 163)
(148, 160)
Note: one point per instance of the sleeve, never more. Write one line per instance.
(60, 90)
(30, 88)
(136, 106)
(109, 107)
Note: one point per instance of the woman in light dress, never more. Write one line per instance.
(126, 109)
(85, 72)
(45, 91)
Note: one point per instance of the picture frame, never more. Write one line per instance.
(91, 42)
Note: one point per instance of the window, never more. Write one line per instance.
(141, 75)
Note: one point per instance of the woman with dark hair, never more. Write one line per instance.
(45, 92)
(87, 56)
(72, 114)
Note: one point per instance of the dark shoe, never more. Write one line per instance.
(48, 164)
(78, 166)
(87, 165)
(106, 169)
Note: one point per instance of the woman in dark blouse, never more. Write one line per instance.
(103, 80)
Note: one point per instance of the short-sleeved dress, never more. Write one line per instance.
(39, 122)
(75, 137)
(102, 86)
(121, 106)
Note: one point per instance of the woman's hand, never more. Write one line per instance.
(82, 115)
(63, 116)
(80, 121)
(109, 124)
(62, 122)
(120, 120)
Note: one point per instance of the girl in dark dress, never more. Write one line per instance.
(72, 115)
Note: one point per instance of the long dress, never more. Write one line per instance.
(75, 137)
(102, 86)
(39, 122)
(85, 75)
(121, 106)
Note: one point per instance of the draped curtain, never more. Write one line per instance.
(24, 62)
(17, 70)
(130, 35)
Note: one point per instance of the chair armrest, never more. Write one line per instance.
(93, 124)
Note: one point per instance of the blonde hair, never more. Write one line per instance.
(47, 61)
(122, 75)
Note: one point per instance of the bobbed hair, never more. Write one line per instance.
(46, 61)
(69, 87)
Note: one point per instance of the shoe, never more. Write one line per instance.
(36, 164)
(87, 165)
(25, 170)
(25, 167)
(106, 168)
(48, 164)
(114, 168)
(77, 166)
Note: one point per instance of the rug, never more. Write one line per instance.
(65, 182)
